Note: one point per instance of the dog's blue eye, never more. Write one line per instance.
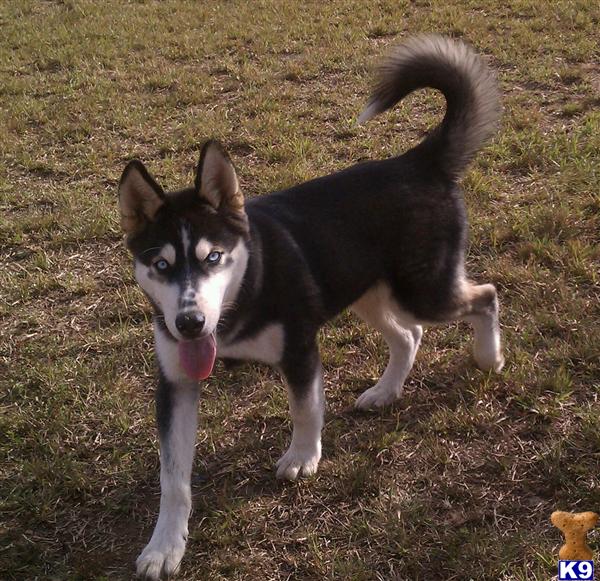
(161, 265)
(214, 257)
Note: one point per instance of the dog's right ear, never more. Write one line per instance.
(216, 181)
(140, 197)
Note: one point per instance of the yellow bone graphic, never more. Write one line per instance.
(574, 527)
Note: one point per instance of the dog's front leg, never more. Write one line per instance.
(304, 377)
(176, 414)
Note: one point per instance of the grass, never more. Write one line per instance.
(458, 480)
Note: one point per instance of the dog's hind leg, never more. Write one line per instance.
(480, 309)
(304, 375)
(381, 312)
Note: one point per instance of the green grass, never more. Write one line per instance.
(458, 480)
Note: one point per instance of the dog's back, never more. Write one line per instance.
(400, 220)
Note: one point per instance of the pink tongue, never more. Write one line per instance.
(197, 357)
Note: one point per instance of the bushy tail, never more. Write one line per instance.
(453, 68)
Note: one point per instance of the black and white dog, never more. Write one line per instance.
(257, 279)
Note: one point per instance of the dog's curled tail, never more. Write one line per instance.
(470, 89)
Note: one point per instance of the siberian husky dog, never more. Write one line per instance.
(257, 279)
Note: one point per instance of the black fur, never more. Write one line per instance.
(164, 405)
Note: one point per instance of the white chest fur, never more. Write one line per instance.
(265, 346)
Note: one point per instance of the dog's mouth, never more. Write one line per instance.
(197, 356)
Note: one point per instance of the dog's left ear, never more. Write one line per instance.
(216, 180)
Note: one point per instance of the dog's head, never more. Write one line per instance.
(189, 246)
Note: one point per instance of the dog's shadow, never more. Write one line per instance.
(246, 464)
(238, 470)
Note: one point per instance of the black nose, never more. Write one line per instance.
(190, 323)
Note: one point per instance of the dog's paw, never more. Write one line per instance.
(299, 460)
(377, 396)
(489, 361)
(162, 556)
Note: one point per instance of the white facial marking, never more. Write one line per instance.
(164, 294)
(203, 248)
(265, 346)
(168, 253)
(189, 294)
(185, 240)
(220, 287)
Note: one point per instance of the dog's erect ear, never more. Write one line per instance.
(216, 181)
(140, 197)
